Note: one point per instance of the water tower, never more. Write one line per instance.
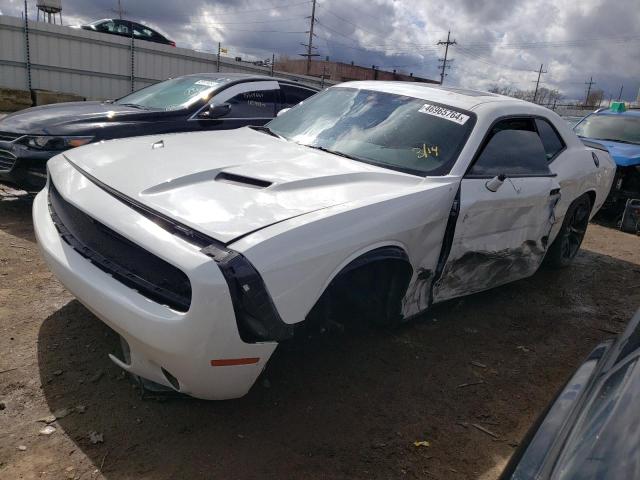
(49, 9)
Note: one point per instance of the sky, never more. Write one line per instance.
(498, 42)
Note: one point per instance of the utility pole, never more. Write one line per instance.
(540, 72)
(310, 47)
(590, 83)
(273, 60)
(26, 43)
(446, 52)
(620, 94)
(218, 61)
(324, 73)
(120, 11)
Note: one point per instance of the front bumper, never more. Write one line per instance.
(23, 167)
(625, 186)
(184, 344)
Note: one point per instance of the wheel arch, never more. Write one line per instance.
(394, 252)
(366, 256)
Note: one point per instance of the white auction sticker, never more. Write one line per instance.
(206, 83)
(451, 115)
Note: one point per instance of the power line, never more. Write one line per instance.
(446, 51)
(257, 31)
(361, 12)
(247, 23)
(274, 7)
(412, 45)
(489, 61)
(387, 48)
(583, 42)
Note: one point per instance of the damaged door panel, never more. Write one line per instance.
(499, 236)
(508, 199)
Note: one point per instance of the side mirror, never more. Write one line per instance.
(495, 183)
(284, 110)
(215, 111)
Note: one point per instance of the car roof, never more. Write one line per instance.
(455, 97)
(247, 76)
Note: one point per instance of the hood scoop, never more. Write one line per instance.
(241, 180)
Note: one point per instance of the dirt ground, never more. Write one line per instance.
(349, 405)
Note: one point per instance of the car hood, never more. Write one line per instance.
(67, 118)
(227, 184)
(624, 154)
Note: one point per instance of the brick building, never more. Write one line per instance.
(343, 72)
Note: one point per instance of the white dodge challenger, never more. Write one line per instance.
(204, 250)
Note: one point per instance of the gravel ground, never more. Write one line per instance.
(348, 405)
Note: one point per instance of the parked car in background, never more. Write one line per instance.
(371, 200)
(127, 28)
(618, 129)
(208, 101)
(572, 120)
(590, 431)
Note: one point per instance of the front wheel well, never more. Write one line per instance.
(369, 288)
(592, 197)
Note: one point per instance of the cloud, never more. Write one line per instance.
(498, 42)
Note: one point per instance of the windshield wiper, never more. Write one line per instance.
(267, 130)
(334, 152)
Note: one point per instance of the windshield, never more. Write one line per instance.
(173, 94)
(619, 128)
(392, 131)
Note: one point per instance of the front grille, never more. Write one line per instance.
(125, 261)
(7, 160)
(9, 137)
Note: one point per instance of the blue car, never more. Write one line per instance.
(618, 129)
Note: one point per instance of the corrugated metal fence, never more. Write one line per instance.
(100, 66)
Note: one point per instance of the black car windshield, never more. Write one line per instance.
(619, 128)
(393, 131)
(173, 94)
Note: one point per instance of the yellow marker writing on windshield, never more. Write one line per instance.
(426, 151)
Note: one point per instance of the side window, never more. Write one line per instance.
(121, 27)
(552, 142)
(513, 148)
(294, 95)
(142, 32)
(108, 26)
(255, 104)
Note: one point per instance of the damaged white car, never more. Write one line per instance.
(204, 250)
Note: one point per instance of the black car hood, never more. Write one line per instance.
(73, 118)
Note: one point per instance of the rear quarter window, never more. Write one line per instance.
(551, 140)
(294, 95)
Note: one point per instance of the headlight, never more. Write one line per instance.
(47, 142)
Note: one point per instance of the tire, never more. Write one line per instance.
(567, 244)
